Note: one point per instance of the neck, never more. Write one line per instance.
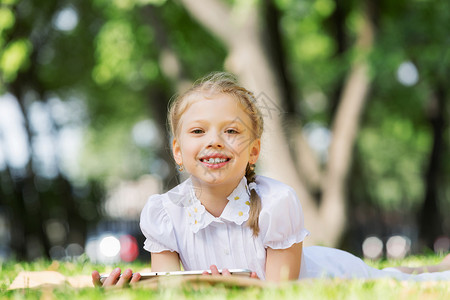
(213, 197)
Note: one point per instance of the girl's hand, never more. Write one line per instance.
(114, 279)
(215, 271)
(225, 272)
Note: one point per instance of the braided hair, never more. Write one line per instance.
(255, 201)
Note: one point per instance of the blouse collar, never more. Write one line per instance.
(236, 210)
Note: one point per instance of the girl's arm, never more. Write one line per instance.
(284, 264)
(165, 261)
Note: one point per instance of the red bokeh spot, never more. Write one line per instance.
(128, 248)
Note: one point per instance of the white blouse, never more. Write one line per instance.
(177, 221)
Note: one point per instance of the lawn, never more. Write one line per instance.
(314, 289)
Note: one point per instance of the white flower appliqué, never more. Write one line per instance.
(195, 214)
(240, 207)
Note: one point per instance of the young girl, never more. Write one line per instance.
(224, 216)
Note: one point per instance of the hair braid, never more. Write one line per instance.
(255, 201)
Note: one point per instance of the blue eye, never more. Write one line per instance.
(197, 131)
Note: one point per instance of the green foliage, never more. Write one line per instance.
(396, 139)
(125, 61)
(14, 57)
(126, 71)
(312, 52)
(13, 53)
(7, 18)
(396, 177)
(198, 51)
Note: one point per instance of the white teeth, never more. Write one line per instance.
(215, 160)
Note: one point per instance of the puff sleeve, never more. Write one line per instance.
(281, 219)
(157, 226)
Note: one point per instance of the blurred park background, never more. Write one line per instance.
(355, 96)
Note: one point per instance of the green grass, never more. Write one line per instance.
(313, 289)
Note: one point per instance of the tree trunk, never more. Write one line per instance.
(158, 97)
(430, 218)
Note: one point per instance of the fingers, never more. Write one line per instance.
(128, 277)
(112, 278)
(225, 272)
(115, 278)
(253, 275)
(136, 277)
(96, 278)
(214, 270)
(125, 278)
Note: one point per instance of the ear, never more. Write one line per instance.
(255, 149)
(176, 151)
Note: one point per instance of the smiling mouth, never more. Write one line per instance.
(216, 160)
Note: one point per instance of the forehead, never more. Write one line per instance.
(213, 106)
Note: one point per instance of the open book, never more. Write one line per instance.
(29, 279)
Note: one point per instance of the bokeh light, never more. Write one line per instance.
(397, 246)
(442, 244)
(372, 247)
(66, 19)
(109, 246)
(407, 74)
(129, 249)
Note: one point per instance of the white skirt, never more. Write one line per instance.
(324, 262)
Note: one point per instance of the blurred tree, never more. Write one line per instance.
(115, 58)
(404, 138)
(34, 69)
(312, 64)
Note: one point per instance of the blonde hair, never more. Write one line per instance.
(225, 83)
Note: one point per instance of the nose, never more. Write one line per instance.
(215, 140)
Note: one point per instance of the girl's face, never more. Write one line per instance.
(215, 140)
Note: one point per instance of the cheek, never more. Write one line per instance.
(238, 143)
(188, 149)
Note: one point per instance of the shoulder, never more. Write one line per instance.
(177, 196)
(278, 200)
(281, 218)
(167, 205)
(272, 190)
(162, 218)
